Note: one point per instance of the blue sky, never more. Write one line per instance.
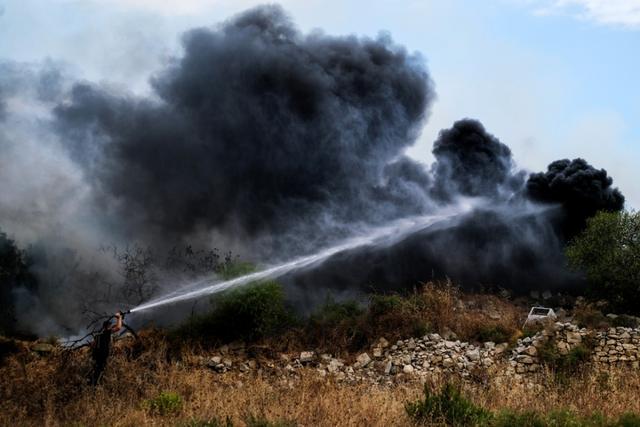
(550, 78)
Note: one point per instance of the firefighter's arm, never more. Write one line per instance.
(118, 325)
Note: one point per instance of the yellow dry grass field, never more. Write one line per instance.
(52, 391)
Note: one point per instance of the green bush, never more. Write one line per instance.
(249, 313)
(380, 305)
(447, 406)
(608, 252)
(232, 269)
(627, 420)
(260, 421)
(166, 403)
(564, 365)
(14, 272)
(625, 321)
(495, 333)
(212, 422)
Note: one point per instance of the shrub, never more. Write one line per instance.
(447, 406)
(628, 420)
(260, 421)
(166, 403)
(509, 418)
(250, 313)
(565, 365)
(232, 269)
(336, 326)
(212, 422)
(495, 333)
(14, 273)
(608, 252)
(587, 316)
(625, 321)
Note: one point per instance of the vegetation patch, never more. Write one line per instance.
(166, 403)
(249, 314)
(449, 407)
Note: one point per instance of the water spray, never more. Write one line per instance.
(385, 235)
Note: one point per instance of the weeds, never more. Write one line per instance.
(447, 406)
(249, 314)
(166, 403)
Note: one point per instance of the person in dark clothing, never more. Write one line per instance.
(102, 347)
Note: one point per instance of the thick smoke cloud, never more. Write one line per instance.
(281, 143)
(579, 188)
(472, 162)
(257, 125)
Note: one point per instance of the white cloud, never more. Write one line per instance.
(624, 13)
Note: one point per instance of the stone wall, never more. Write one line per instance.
(613, 347)
(417, 358)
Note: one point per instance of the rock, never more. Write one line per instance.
(307, 357)
(387, 367)
(494, 315)
(501, 348)
(448, 334)
(448, 363)
(334, 365)
(407, 369)
(377, 352)
(574, 338)
(363, 360)
(489, 345)
(531, 351)
(449, 344)
(227, 362)
(473, 355)
(382, 343)
(216, 360)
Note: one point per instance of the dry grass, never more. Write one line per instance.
(51, 391)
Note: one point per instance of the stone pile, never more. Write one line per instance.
(433, 354)
(614, 347)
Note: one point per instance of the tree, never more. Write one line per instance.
(14, 272)
(608, 252)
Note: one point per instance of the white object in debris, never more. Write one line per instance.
(537, 314)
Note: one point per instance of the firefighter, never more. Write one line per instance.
(102, 346)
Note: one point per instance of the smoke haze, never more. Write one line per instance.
(272, 143)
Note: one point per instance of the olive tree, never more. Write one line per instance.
(608, 253)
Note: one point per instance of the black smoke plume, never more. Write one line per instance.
(579, 188)
(257, 125)
(472, 162)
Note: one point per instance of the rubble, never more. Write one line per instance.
(419, 358)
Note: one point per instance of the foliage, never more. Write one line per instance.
(232, 269)
(14, 273)
(210, 422)
(250, 313)
(564, 365)
(608, 252)
(495, 333)
(337, 325)
(260, 421)
(587, 316)
(447, 406)
(625, 321)
(166, 403)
